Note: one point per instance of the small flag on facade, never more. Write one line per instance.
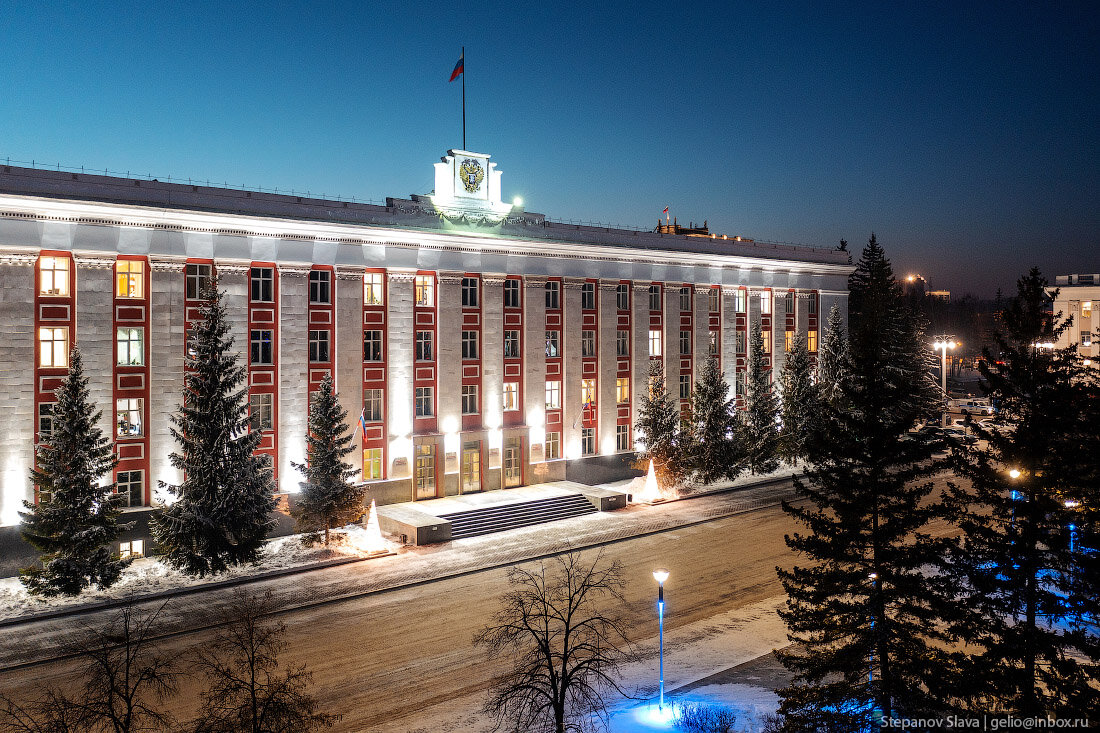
(458, 69)
(363, 420)
(665, 211)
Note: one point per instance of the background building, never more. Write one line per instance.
(1077, 295)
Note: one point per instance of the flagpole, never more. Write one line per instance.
(463, 97)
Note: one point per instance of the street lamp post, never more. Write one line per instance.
(661, 575)
(942, 344)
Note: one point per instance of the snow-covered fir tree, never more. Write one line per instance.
(863, 609)
(76, 517)
(658, 426)
(328, 498)
(761, 417)
(796, 386)
(832, 357)
(1030, 627)
(717, 450)
(220, 514)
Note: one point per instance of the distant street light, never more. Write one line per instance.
(661, 575)
(942, 344)
(1014, 473)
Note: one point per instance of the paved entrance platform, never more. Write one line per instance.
(433, 520)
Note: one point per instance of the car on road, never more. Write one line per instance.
(971, 406)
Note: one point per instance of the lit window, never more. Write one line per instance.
(425, 468)
(131, 549)
(788, 341)
(372, 288)
(45, 421)
(1086, 308)
(372, 405)
(588, 441)
(372, 464)
(129, 344)
(622, 296)
(655, 343)
(469, 399)
(588, 296)
(685, 300)
(318, 345)
(622, 390)
(553, 295)
(553, 395)
(425, 406)
(765, 302)
(811, 340)
(1086, 338)
(320, 287)
(469, 292)
(511, 344)
(622, 437)
(469, 344)
(263, 284)
(129, 279)
(685, 386)
(128, 417)
(261, 411)
(655, 297)
(53, 274)
(372, 346)
(713, 300)
(740, 339)
(767, 334)
(261, 351)
(588, 393)
(685, 342)
(622, 343)
(53, 347)
(552, 338)
(713, 343)
(511, 294)
(130, 488)
(739, 300)
(588, 343)
(789, 303)
(424, 291)
(424, 340)
(511, 396)
(553, 446)
(198, 279)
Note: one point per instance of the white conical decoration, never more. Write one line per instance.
(651, 493)
(374, 541)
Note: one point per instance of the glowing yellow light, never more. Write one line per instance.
(1014, 473)
(660, 575)
(652, 492)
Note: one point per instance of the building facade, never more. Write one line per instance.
(1077, 296)
(483, 346)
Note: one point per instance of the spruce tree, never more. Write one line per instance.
(658, 426)
(1030, 627)
(862, 608)
(832, 358)
(761, 409)
(76, 516)
(799, 395)
(221, 512)
(328, 499)
(716, 431)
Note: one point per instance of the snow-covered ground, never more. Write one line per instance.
(146, 575)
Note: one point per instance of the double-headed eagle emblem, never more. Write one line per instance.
(472, 174)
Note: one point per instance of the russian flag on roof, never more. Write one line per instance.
(458, 69)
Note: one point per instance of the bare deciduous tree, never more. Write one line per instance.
(246, 691)
(561, 627)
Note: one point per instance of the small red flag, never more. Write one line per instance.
(458, 69)
(665, 211)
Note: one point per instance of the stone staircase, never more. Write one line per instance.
(502, 517)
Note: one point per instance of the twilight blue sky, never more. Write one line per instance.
(965, 134)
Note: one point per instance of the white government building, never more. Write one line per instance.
(485, 346)
(1077, 296)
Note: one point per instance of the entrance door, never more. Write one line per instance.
(471, 466)
(513, 463)
(425, 471)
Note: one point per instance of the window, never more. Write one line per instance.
(811, 340)
(469, 399)
(511, 344)
(712, 343)
(261, 411)
(622, 437)
(588, 393)
(372, 288)
(129, 279)
(655, 297)
(53, 347)
(740, 338)
(622, 296)
(552, 343)
(655, 343)
(511, 293)
(469, 292)
(812, 304)
(198, 278)
(588, 343)
(372, 405)
(588, 441)
(372, 464)
(511, 396)
(739, 300)
(263, 284)
(739, 384)
(320, 287)
(553, 446)
(553, 395)
(131, 549)
(53, 274)
(425, 468)
(553, 295)
(1086, 308)
(714, 300)
(765, 302)
(372, 346)
(424, 341)
(1086, 338)
(767, 334)
(424, 400)
(788, 303)
(318, 345)
(685, 342)
(130, 488)
(685, 300)
(588, 296)
(788, 341)
(129, 343)
(469, 344)
(424, 291)
(622, 390)
(45, 421)
(622, 343)
(262, 352)
(685, 386)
